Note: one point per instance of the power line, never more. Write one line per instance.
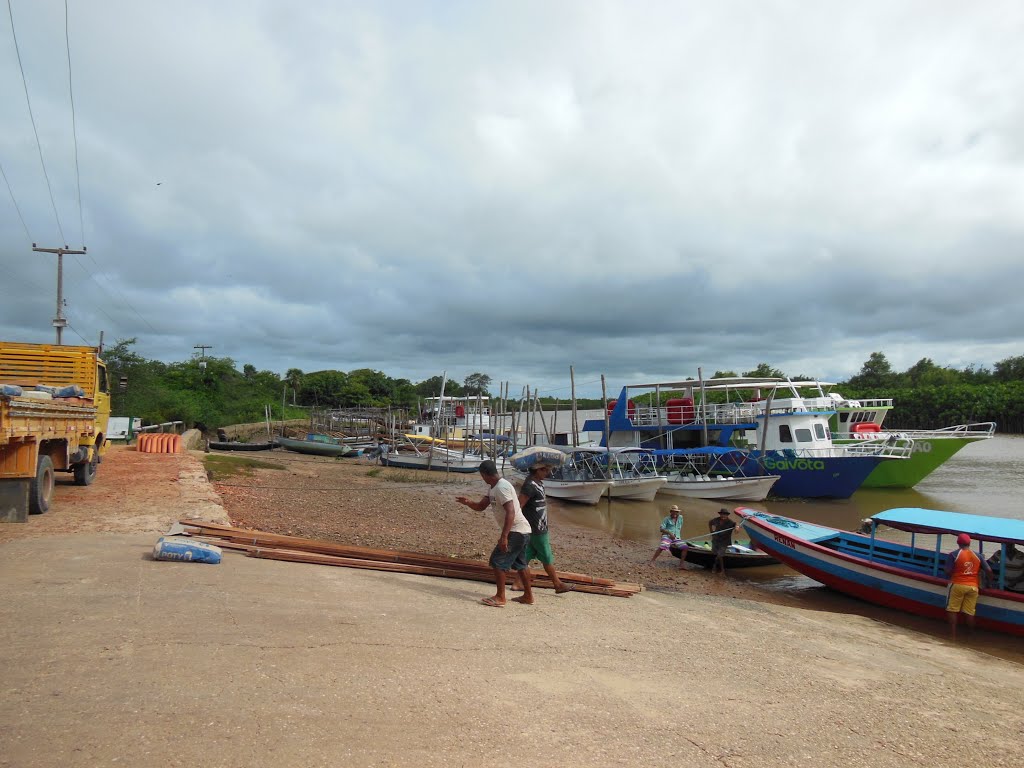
(32, 117)
(16, 207)
(74, 128)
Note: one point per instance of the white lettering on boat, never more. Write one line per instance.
(796, 464)
(785, 540)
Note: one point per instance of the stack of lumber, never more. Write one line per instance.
(272, 546)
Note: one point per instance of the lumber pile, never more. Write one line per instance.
(272, 546)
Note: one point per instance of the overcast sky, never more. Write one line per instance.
(633, 188)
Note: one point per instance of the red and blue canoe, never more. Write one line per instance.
(906, 577)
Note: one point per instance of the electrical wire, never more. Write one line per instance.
(84, 340)
(74, 127)
(35, 130)
(16, 206)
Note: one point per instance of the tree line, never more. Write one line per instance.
(211, 392)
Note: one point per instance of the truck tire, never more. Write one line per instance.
(85, 473)
(41, 488)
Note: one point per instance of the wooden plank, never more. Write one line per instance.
(269, 553)
(262, 538)
(374, 565)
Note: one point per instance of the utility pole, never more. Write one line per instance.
(59, 322)
(202, 348)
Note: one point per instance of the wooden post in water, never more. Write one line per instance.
(540, 410)
(554, 422)
(607, 432)
(573, 421)
(436, 424)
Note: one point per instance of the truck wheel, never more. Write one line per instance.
(86, 473)
(41, 489)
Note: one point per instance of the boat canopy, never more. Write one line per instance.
(917, 520)
(715, 450)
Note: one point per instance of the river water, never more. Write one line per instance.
(984, 478)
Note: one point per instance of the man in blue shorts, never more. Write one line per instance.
(510, 552)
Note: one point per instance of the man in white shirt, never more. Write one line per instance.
(510, 552)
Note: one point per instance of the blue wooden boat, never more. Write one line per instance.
(907, 577)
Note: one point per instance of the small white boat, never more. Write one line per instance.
(707, 473)
(631, 471)
(412, 456)
(696, 486)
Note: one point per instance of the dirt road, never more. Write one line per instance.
(110, 657)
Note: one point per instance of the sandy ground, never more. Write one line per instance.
(110, 657)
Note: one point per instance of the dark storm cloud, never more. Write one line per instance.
(517, 188)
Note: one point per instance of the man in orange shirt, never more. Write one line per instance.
(962, 569)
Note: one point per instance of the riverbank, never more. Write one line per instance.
(111, 657)
(354, 502)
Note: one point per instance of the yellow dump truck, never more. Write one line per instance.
(54, 407)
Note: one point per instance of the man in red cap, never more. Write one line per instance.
(962, 569)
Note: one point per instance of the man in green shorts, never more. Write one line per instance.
(535, 509)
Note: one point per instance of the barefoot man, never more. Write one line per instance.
(534, 504)
(510, 552)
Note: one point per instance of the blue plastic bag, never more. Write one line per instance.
(186, 550)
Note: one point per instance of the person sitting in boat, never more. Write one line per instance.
(1014, 568)
(963, 569)
(671, 531)
(722, 528)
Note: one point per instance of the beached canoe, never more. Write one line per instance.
(315, 448)
(229, 446)
(737, 556)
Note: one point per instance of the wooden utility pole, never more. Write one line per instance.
(59, 322)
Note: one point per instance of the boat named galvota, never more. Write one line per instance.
(768, 426)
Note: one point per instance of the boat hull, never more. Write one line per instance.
(637, 489)
(217, 446)
(830, 477)
(736, 488)
(438, 464)
(314, 448)
(705, 558)
(578, 491)
(927, 456)
(873, 582)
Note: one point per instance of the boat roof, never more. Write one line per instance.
(723, 382)
(716, 450)
(918, 520)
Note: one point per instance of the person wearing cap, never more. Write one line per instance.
(721, 528)
(671, 531)
(963, 568)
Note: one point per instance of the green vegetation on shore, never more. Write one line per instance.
(219, 467)
(216, 394)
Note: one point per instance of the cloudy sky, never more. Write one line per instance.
(633, 188)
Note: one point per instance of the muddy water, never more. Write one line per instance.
(984, 478)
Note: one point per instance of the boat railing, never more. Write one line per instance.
(891, 447)
(978, 430)
(706, 413)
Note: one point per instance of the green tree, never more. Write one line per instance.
(1010, 369)
(432, 388)
(764, 370)
(876, 373)
(477, 384)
